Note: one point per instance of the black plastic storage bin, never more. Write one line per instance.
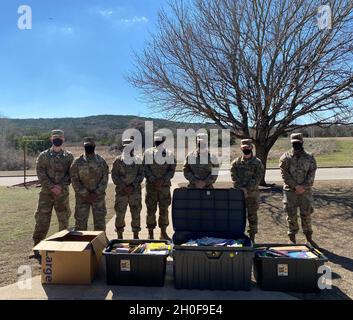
(287, 274)
(198, 213)
(135, 269)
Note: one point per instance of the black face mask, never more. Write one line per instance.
(57, 142)
(297, 146)
(247, 151)
(90, 149)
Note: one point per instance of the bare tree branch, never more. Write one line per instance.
(262, 67)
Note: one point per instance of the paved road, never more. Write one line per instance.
(271, 176)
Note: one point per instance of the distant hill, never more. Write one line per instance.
(105, 128)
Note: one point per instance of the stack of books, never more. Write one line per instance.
(217, 242)
(295, 252)
(154, 248)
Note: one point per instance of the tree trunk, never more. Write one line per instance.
(262, 152)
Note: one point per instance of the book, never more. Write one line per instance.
(121, 250)
(291, 248)
(302, 255)
(157, 246)
(157, 252)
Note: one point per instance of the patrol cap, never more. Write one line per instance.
(201, 137)
(246, 143)
(89, 141)
(57, 133)
(126, 142)
(296, 137)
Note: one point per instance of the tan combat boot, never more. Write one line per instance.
(150, 234)
(292, 239)
(136, 235)
(164, 235)
(120, 235)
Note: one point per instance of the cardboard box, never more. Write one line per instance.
(71, 257)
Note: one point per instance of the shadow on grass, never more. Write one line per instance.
(343, 200)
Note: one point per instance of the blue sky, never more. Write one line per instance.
(74, 60)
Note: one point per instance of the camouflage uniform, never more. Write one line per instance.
(89, 174)
(52, 169)
(158, 196)
(298, 168)
(125, 175)
(194, 170)
(247, 173)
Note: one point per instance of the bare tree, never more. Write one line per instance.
(262, 68)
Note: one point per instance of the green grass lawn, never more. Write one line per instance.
(17, 223)
(19, 204)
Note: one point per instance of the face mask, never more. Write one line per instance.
(297, 146)
(57, 142)
(247, 151)
(90, 149)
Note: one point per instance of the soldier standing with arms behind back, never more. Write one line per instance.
(127, 175)
(89, 175)
(298, 172)
(53, 171)
(158, 183)
(200, 166)
(247, 172)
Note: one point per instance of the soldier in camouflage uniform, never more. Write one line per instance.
(200, 166)
(247, 172)
(89, 175)
(127, 175)
(298, 172)
(158, 182)
(53, 171)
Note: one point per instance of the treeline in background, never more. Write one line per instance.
(107, 130)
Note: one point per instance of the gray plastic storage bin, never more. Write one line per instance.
(198, 213)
